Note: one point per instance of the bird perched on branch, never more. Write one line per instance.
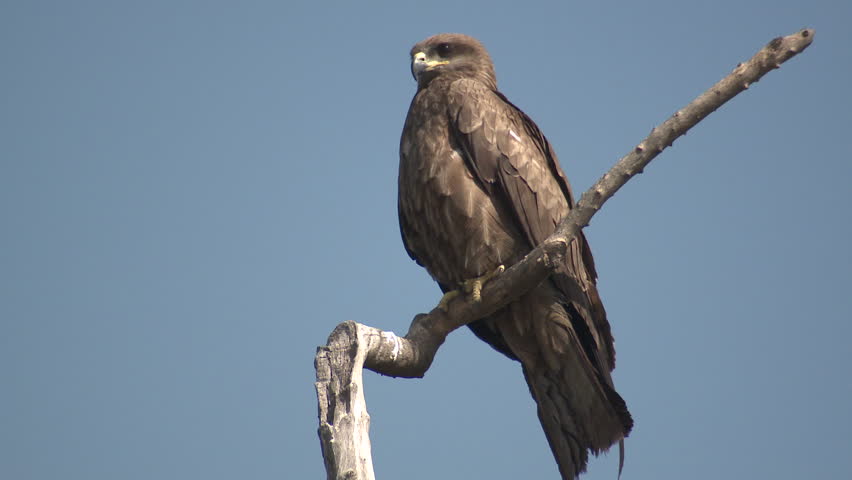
(479, 187)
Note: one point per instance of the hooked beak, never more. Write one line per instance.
(420, 64)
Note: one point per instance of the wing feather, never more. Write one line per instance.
(513, 161)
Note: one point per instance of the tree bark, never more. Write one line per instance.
(343, 418)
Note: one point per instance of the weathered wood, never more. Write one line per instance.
(344, 421)
(343, 418)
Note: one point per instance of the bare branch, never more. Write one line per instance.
(344, 422)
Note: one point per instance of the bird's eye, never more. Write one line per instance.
(444, 49)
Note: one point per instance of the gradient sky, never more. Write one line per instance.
(193, 194)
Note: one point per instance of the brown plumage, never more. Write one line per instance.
(480, 186)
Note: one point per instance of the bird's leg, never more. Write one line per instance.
(472, 287)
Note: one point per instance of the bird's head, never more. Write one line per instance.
(451, 54)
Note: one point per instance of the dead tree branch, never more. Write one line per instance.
(343, 418)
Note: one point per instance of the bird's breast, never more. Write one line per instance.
(450, 222)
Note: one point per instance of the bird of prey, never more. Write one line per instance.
(479, 187)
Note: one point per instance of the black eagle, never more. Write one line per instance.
(479, 187)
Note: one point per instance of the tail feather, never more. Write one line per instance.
(578, 407)
(571, 427)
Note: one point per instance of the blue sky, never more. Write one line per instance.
(193, 194)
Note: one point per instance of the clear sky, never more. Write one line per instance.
(193, 194)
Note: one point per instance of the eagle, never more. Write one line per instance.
(479, 187)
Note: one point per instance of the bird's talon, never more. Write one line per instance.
(444, 304)
(473, 287)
